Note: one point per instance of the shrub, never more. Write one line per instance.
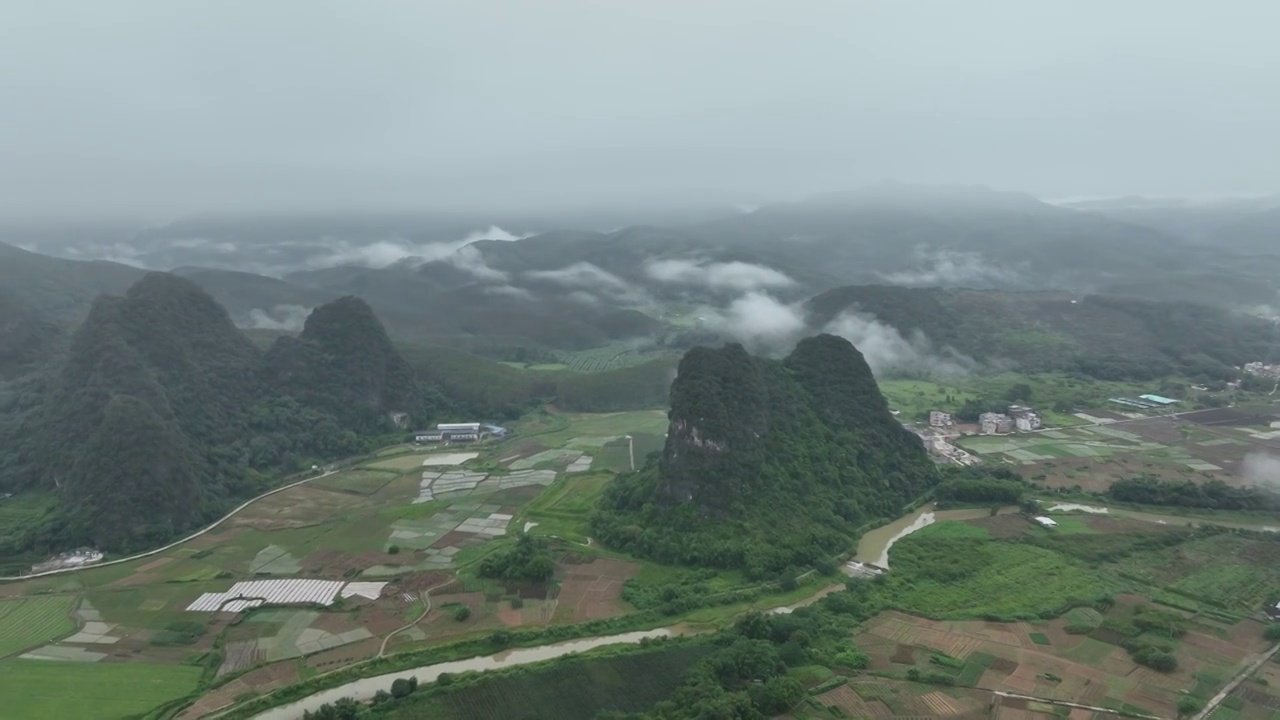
(462, 613)
(1272, 632)
(393, 550)
(1188, 705)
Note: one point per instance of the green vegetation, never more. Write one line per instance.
(106, 691)
(32, 621)
(1109, 338)
(938, 574)
(973, 485)
(578, 687)
(1039, 638)
(1211, 494)
(527, 559)
(209, 418)
(768, 464)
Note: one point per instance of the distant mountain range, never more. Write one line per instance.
(574, 289)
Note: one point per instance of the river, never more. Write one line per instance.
(365, 688)
(873, 546)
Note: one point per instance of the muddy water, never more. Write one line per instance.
(365, 688)
(873, 547)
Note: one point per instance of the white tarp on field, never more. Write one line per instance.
(252, 593)
(371, 590)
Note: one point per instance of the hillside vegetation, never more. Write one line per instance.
(208, 417)
(767, 464)
(1110, 338)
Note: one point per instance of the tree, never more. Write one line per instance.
(1272, 632)
(1018, 392)
(403, 687)
(462, 613)
(1188, 705)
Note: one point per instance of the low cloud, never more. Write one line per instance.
(888, 351)
(280, 317)
(384, 253)
(509, 291)
(735, 275)
(759, 321)
(584, 276)
(470, 260)
(953, 268)
(1262, 469)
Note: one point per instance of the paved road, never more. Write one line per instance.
(1235, 683)
(1067, 703)
(175, 543)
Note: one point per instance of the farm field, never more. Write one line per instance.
(90, 691)
(608, 357)
(580, 688)
(29, 622)
(395, 525)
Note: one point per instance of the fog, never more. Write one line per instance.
(764, 324)
(166, 107)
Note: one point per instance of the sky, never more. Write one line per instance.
(177, 106)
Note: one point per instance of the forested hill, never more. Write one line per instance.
(163, 414)
(768, 464)
(1107, 337)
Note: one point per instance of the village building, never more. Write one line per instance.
(995, 423)
(1046, 522)
(939, 419)
(459, 432)
(1025, 419)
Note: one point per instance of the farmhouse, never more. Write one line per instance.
(939, 419)
(1025, 419)
(459, 432)
(995, 423)
(1046, 521)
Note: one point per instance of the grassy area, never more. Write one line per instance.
(39, 689)
(1228, 571)
(652, 422)
(29, 622)
(359, 481)
(991, 578)
(608, 357)
(564, 509)
(574, 688)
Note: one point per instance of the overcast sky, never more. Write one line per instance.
(171, 106)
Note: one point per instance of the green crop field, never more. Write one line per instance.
(362, 482)
(29, 622)
(1225, 570)
(571, 689)
(402, 462)
(994, 578)
(565, 507)
(609, 357)
(39, 689)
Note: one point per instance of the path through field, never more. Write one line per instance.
(426, 599)
(1235, 682)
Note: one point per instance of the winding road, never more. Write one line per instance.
(175, 543)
